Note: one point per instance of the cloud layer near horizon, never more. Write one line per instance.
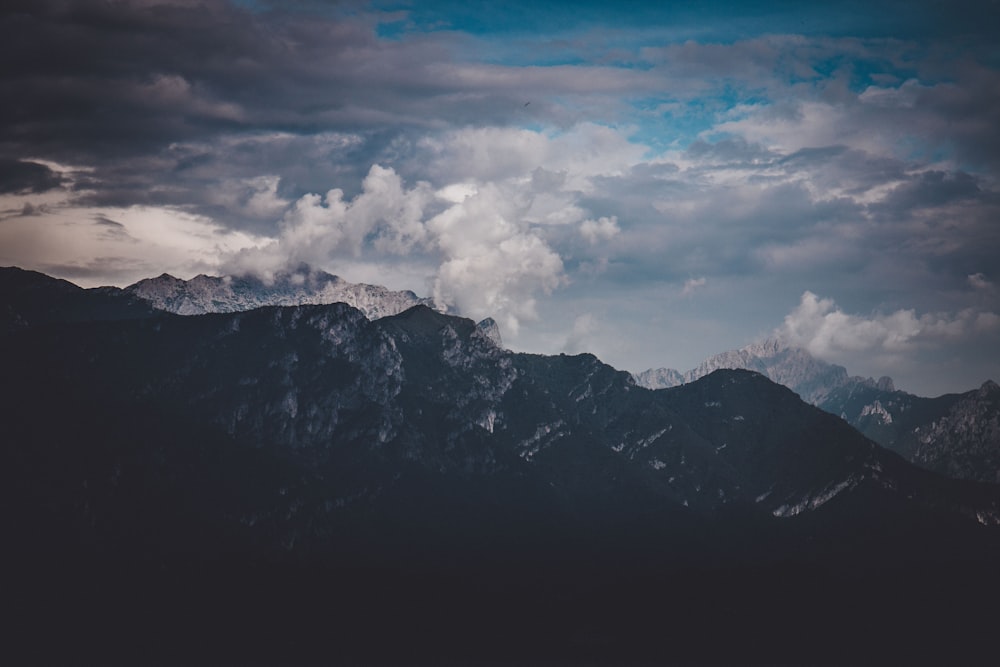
(650, 190)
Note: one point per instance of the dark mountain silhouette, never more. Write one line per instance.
(302, 484)
(957, 435)
(29, 298)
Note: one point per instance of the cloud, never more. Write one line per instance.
(571, 157)
(489, 261)
(602, 229)
(519, 173)
(158, 81)
(928, 354)
(114, 231)
(492, 263)
(818, 325)
(578, 339)
(979, 281)
(947, 114)
(26, 176)
(255, 197)
(118, 246)
(385, 216)
(692, 284)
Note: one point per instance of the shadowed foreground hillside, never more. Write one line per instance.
(301, 485)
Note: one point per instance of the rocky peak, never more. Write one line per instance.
(885, 383)
(659, 378)
(300, 286)
(491, 330)
(791, 366)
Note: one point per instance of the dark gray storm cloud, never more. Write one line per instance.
(25, 176)
(110, 82)
(161, 99)
(122, 78)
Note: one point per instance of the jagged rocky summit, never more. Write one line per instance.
(491, 330)
(302, 286)
(788, 365)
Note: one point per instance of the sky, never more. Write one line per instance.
(651, 182)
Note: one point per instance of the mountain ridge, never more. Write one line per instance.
(785, 364)
(420, 372)
(294, 484)
(925, 431)
(969, 452)
(30, 298)
(300, 286)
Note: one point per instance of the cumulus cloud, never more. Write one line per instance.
(821, 327)
(602, 229)
(385, 215)
(492, 264)
(979, 281)
(489, 261)
(488, 225)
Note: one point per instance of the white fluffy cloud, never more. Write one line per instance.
(821, 327)
(602, 229)
(490, 261)
(385, 216)
(480, 223)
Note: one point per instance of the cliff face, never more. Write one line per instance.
(965, 442)
(955, 435)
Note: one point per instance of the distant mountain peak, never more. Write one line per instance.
(885, 383)
(659, 378)
(772, 357)
(767, 346)
(302, 285)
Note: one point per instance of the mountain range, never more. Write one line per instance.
(305, 484)
(301, 286)
(794, 367)
(956, 434)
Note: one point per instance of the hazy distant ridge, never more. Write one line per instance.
(791, 366)
(957, 435)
